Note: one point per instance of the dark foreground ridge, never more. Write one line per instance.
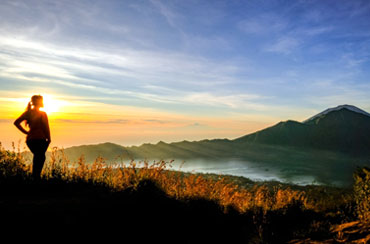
(105, 204)
(142, 215)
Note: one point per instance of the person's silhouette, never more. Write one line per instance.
(38, 135)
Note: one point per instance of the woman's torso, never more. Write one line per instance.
(36, 122)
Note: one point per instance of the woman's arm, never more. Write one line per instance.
(18, 122)
(46, 127)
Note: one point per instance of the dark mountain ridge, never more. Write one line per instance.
(341, 130)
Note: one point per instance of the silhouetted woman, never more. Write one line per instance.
(38, 135)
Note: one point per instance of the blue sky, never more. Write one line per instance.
(272, 60)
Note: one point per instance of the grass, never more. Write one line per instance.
(164, 202)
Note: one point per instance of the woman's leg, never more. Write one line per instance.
(38, 148)
(38, 162)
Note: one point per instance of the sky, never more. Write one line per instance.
(133, 72)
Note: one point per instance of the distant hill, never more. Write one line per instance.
(107, 150)
(205, 149)
(344, 129)
(328, 146)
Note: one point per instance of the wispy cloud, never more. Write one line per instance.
(195, 58)
(317, 30)
(265, 24)
(230, 101)
(6, 121)
(284, 45)
(350, 60)
(116, 121)
(112, 74)
(170, 16)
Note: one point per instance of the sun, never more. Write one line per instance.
(51, 104)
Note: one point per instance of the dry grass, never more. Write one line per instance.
(176, 184)
(336, 208)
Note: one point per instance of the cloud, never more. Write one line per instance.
(170, 16)
(177, 56)
(230, 101)
(6, 121)
(326, 93)
(358, 8)
(136, 122)
(289, 42)
(66, 62)
(314, 31)
(156, 121)
(266, 24)
(111, 121)
(158, 77)
(199, 125)
(284, 45)
(351, 61)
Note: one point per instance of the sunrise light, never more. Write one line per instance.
(52, 105)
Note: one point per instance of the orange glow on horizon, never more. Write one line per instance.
(75, 121)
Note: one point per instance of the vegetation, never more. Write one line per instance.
(206, 207)
(183, 186)
(362, 193)
(325, 166)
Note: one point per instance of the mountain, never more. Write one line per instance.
(344, 129)
(326, 147)
(107, 150)
(205, 149)
(340, 107)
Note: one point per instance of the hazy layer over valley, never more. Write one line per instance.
(324, 149)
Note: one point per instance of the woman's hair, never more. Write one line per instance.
(29, 106)
(35, 100)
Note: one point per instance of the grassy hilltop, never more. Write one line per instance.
(153, 204)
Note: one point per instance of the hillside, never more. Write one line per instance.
(206, 149)
(341, 130)
(153, 205)
(326, 148)
(289, 133)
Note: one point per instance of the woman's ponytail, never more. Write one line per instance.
(28, 109)
(29, 106)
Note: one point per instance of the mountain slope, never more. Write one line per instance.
(107, 150)
(290, 133)
(340, 107)
(205, 149)
(327, 148)
(342, 130)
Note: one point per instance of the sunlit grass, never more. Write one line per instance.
(174, 183)
(335, 206)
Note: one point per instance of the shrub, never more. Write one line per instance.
(362, 192)
(12, 164)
